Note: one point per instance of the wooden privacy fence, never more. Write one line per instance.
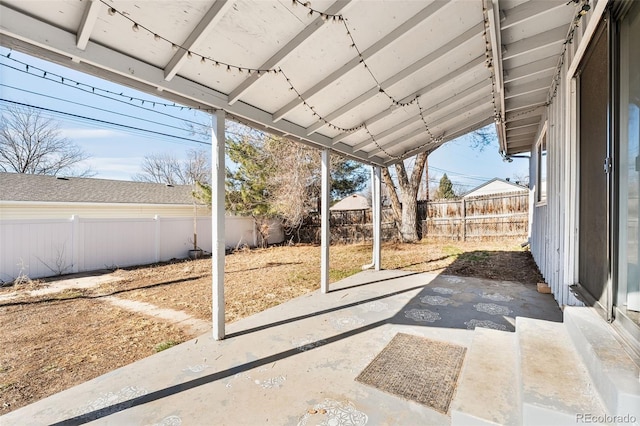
(478, 218)
(346, 226)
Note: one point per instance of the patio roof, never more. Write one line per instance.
(377, 81)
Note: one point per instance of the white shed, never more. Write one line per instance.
(352, 202)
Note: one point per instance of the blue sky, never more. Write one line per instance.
(93, 119)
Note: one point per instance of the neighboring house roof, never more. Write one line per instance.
(495, 186)
(353, 202)
(27, 187)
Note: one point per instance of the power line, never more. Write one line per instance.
(104, 122)
(48, 75)
(480, 178)
(101, 109)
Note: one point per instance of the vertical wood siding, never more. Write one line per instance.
(549, 229)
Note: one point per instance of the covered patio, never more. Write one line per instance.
(297, 363)
(377, 81)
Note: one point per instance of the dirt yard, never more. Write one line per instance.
(52, 341)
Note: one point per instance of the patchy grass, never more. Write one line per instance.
(165, 345)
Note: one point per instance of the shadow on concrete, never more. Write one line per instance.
(185, 386)
(442, 301)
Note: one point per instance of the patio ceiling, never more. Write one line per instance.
(377, 81)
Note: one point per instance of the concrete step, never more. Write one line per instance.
(612, 370)
(488, 389)
(556, 388)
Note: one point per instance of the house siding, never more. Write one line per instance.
(554, 224)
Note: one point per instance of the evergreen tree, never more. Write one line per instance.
(445, 190)
(247, 179)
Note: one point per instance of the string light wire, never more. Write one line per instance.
(498, 115)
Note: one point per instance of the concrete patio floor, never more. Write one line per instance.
(281, 365)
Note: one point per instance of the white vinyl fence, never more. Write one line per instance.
(42, 247)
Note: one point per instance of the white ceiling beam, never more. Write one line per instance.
(529, 10)
(289, 48)
(398, 127)
(456, 115)
(396, 78)
(38, 38)
(87, 23)
(441, 82)
(525, 122)
(521, 139)
(493, 12)
(528, 101)
(529, 130)
(524, 129)
(459, 100)
(525, 89)
(517, 116)
(478, 122)
(206, 24)
(540, 67)
(536, 42)
(522, 146)
(367, 53)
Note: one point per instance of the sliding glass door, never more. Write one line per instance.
(629, 162)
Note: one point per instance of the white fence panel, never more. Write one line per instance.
(35, 248)
(204, 233)
(239, 231)
(108, 243)
(176, 236)
(40, 248)
(276, 233)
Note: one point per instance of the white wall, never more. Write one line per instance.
(40, 248)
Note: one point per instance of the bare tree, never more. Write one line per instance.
(520, 179)
(405, 205)
(293, 186)
(166, 168)
(31, 143)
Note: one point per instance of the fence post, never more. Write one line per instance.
(75, 243)
(255, 233)
(464, 219)
(157, 238)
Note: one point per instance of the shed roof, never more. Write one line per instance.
(352, 202)
(503, 182)
(27, 187)
(377, 81)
